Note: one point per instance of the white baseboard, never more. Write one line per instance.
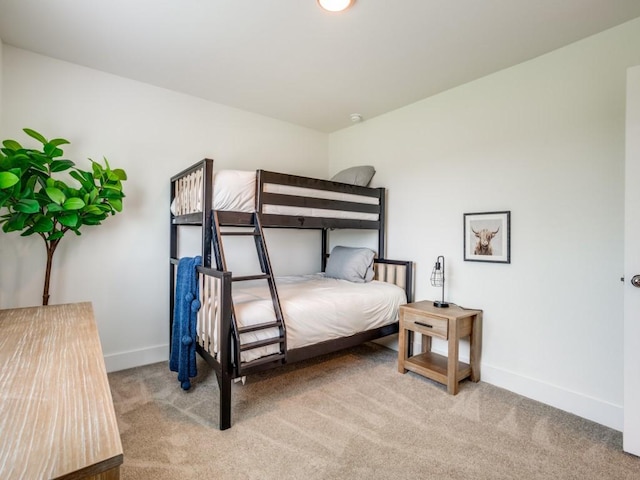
(593, 409)
(136, 358)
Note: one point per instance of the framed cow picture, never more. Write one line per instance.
(487, 237)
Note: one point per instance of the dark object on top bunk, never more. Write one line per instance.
(220, 346)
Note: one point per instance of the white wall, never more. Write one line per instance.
(122, 266)
(545, 140)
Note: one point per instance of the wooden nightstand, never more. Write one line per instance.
(450, 324)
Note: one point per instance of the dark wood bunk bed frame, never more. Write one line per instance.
(226, 363)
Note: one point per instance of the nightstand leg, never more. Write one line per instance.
(476, 347)
(452, 359)
(425, 343)
(402, 348)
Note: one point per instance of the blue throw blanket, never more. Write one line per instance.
(186, 306)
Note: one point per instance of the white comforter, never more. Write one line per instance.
(315, 309)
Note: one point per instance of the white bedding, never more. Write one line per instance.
(316, 308)
(235, 190)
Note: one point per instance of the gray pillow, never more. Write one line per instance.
(360, 175)
(350, 263)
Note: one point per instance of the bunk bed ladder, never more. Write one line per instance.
(265, 265)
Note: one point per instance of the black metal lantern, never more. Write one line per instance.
(437, 280)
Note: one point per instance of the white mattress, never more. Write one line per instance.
(316, 308)
(234, 190)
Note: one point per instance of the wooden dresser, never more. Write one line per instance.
(56, 412)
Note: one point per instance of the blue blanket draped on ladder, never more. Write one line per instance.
(183, 335)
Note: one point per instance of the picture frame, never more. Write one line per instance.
(487, 237)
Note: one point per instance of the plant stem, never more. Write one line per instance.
(51, 248)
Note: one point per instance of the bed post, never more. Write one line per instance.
(207, 186)
(382, 228)
(224, 382)
(226, 364)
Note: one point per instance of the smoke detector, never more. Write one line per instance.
(355, 117)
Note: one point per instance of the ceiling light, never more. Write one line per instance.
(335, 5)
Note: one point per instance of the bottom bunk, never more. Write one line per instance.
(321, 315)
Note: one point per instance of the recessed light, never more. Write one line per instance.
(335, 5)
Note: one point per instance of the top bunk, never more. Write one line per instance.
(282, 200)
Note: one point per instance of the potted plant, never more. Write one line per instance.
(35, 200)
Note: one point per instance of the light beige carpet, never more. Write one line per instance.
(351, 415)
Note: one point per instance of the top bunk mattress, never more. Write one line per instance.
(235, 191)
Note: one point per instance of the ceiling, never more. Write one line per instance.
(290, 60)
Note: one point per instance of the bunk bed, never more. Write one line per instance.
(235, 335)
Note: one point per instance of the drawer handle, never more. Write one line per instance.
(424, 324)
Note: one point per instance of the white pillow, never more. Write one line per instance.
(234, 190)
(351, 263)
(360, 175)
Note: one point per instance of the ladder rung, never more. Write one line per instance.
(251, 234)
(259, 361)
(261, 343)
(250, 277)
(258, 326)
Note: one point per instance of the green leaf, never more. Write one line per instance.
(43, 225)
(92, 210)
(27, 205)
(111, 193)
(120, 173)
(69, 219)
(15, 222)
(8, 179)
(73, 204)
(61, 165)
(116, 203)
(52, 151)
(54, 207)
(55, 195)
(34, 134)
(56, 235)
(85, 179)
(112, 176)
(92, 221)
(39, 161)
(12, 145)
(59, 141)
(97, 169)
(4, 196)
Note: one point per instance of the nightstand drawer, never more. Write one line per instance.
(433, 326)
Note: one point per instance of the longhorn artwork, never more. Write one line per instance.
(487, 237)
(483, 245)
